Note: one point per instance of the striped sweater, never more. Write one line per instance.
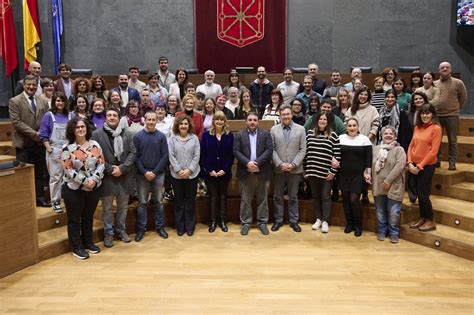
(319, 153)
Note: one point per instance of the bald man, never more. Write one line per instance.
(209, 88)
(452, 97)
(34, 68)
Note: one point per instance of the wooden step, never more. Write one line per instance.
(450, 240)
(443, 176)
(54, 242)
(7, 148)
(466, 126)
(465, 149)
(47, 219)
(7, 158)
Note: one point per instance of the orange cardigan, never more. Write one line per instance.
(424, 145)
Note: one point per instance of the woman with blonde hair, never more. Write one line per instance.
(216, 164)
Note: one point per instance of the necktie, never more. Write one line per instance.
(33, 105)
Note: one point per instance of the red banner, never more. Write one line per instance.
(240, 33)
(8, 38)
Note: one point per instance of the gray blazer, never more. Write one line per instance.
(122, 185)
(25, 122)
(264, 153)
(292, 151)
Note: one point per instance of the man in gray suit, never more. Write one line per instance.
(289, 149)
(26, 112)
(119, 175)
(253, 149)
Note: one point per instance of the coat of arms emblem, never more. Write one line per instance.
(240, 22)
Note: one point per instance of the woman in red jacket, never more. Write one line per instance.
(188, 103)
(422, 153)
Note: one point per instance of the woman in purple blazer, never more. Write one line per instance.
(216, 163)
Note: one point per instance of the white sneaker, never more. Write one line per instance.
(325, 227)
(316, 225)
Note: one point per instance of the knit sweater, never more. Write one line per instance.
(424, 145)
(368, 118)
(392, 173)
(452, 97)
(319, 153)
(432, 93)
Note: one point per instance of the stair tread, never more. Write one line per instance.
(452, 205)
(460, 167)
(450, 233)
(461, 139)
(464, 185)
(60, 233)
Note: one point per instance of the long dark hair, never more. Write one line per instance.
(356, 103)
(327, 131)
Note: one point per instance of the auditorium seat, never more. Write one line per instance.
(408, 69)
(363, 69)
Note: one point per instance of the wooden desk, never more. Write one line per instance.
(18, 228)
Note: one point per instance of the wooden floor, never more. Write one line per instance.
(285, 272)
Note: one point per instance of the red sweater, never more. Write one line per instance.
(424, 145)
(197, 122)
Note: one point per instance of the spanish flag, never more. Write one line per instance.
(31, 30)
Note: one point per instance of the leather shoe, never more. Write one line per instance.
(224, 227)
(276, 226)
(245, 229)
(452, 167)
(139, 236)
(357, 231)
(43, 203)
(162, 233)
(349, 228)
(418, 223)
(295, 226)
(180, 233)
(212, 227)
(190, 233)
(264, 229)
(429, 225)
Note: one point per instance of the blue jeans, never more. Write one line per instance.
(388, 214)
(144, 187)
(120, 216)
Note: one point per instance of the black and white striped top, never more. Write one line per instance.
(319, 153)
(378, 100)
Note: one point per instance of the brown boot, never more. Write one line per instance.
(429, 225)
(418, 223)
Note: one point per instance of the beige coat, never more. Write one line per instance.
(392, 173)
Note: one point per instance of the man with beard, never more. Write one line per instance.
(288, 87)
(65, 84)
(318, 84)
(119, 157)
(127, 93)
(307, 92)
(165, 76)
(331, 91)
(209, 88)
(261, 89)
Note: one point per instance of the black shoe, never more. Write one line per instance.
(438, 164)
(139, 236)
(365, 199)
(180, 233)
(357, 231)
(190, 233)
(349, 228)
(245, 229)
(452, 167)
(276, 226)
(92, 248)
(223, 226)
(335, 196)
(80, 253)
(43, 203)
(263, 228)
(295, 226)
(162, 233)
(169, 196)
(212, 227)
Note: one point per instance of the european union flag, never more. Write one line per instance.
(57, 11)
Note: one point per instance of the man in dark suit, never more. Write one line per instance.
(26, 111)
(253, 150)
(127, 93)
(34, 68)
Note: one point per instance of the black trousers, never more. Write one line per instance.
(80, 208)
(185, 203)
(36, 155)
(217, 188)
(421, 183)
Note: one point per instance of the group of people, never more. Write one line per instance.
(166, 136)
